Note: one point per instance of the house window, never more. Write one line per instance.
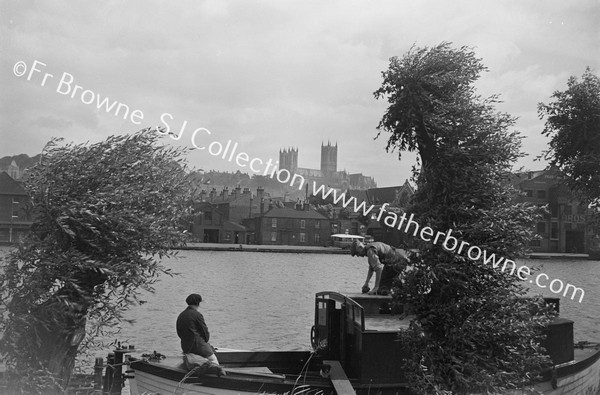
(273, 236)
(541, 227)
(302, 237)
(302, 224)
(541, 194)
(554, 210)
(15, 200)
(317, 224)
(554, 231)
(317, 237)
(334, 228)
(208, 216)
(15, 213)
(274, 223)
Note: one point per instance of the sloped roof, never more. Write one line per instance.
(228, 225)
(533, 175)
(389, 194)
(547, 176)
(360, 195)
(8, 186)
(277, 212)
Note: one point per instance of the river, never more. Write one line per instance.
(255, 300)
(266, 300)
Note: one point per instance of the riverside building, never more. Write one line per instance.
(14, 219)
(567, 227)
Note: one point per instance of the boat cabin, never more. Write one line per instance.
(360, 331)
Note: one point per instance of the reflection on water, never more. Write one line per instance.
(265, 300)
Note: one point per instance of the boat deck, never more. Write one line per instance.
(386, 322)
(176, 364)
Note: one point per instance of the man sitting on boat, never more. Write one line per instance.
(384, 260)
(192, 330)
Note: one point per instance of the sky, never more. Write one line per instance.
(268, 75)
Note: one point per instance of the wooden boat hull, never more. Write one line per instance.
(168, 376)
(356, 336)
(580, 376)
(249, 372)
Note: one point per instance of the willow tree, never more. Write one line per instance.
(473, 331)
(103, 216)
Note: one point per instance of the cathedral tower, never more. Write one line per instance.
(328, 158)
(288, 159)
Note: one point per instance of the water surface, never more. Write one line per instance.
(266, 300)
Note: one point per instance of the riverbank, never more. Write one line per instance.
(264, 248)
(332, 250)
(336, 250)
(557, 255)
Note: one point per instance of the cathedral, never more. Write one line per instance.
(328, 173)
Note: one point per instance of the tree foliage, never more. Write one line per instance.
(473, 331)
(322, 206)
(573, 125)
(104, 214)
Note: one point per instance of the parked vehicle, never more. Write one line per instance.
(345, 241)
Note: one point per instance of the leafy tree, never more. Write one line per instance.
(473, 331)
(322, 206)
(363, 219)
(344, 213)
(103, 215)
(573, 125)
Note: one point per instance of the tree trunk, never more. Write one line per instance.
(60, 339)
(61, 325)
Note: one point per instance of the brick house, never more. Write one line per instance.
(566, 228)
(14, 218)
(290, 226)
(397, 198)
(211, 225)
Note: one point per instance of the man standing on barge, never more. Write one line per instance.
(384, 260)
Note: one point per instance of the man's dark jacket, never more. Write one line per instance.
(193, 332)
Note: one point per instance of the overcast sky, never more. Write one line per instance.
(270, 74)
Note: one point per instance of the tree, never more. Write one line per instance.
(104, 214)
(473, 331)
(573, 125)
(322, 206)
